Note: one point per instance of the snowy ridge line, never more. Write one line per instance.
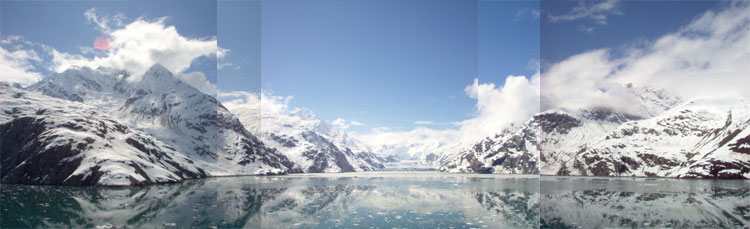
(105, 129)
(701, 138)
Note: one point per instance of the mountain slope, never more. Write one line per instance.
(166, 111)
(45, 140)
(513, 152)
(704, 138)
(306, 140)
(701, 139)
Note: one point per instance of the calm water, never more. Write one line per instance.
(569, 202)
(352, 200)
(386, 200)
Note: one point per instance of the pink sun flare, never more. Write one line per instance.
(102, 43)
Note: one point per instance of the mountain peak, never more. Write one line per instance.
(158, 70)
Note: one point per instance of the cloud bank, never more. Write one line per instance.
(706, 58)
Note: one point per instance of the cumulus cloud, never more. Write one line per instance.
(141, 44)
(16, 63)
(498, 108)
(707, 57)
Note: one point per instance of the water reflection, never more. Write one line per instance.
(385, 200)
(638, 202)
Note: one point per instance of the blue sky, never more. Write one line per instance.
(63, 26)
(382, 63)
(238, 29)
(391, 63)
(634, 21)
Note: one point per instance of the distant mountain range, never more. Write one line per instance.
(103, 127)
(99, 127)
(308, 141)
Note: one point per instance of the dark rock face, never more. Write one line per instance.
(507, 152)
(742, 145)
(608, 115)
(556, 122)
(286, 141)
(718, 169)
(32, 153)
(328, 153)
(25, 159)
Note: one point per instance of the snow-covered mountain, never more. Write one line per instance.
(45, 140)
(167, 116)
(424, 153)
(308, 141)
(703, 138)
(514, 152)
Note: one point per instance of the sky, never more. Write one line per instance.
(394, 64)
(697, 50)
(626, 23)
(41, 37)
(399, 72)
(238, 29)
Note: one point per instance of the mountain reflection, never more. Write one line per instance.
(638, 202)
(283, 202)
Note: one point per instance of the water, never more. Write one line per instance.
(350, 200)
(386, 200)
(569, 202)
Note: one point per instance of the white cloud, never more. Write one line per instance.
(142, 43)
(198, 80)
(588, 29)
(521, 13)
(424, 122)
(16, 64)
(222, 65)
(497, 108)
(104, 23)
(344, 124)
(707, 57)
(380, 129)
(597, 12)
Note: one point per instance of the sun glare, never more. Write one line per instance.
(102, 43)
